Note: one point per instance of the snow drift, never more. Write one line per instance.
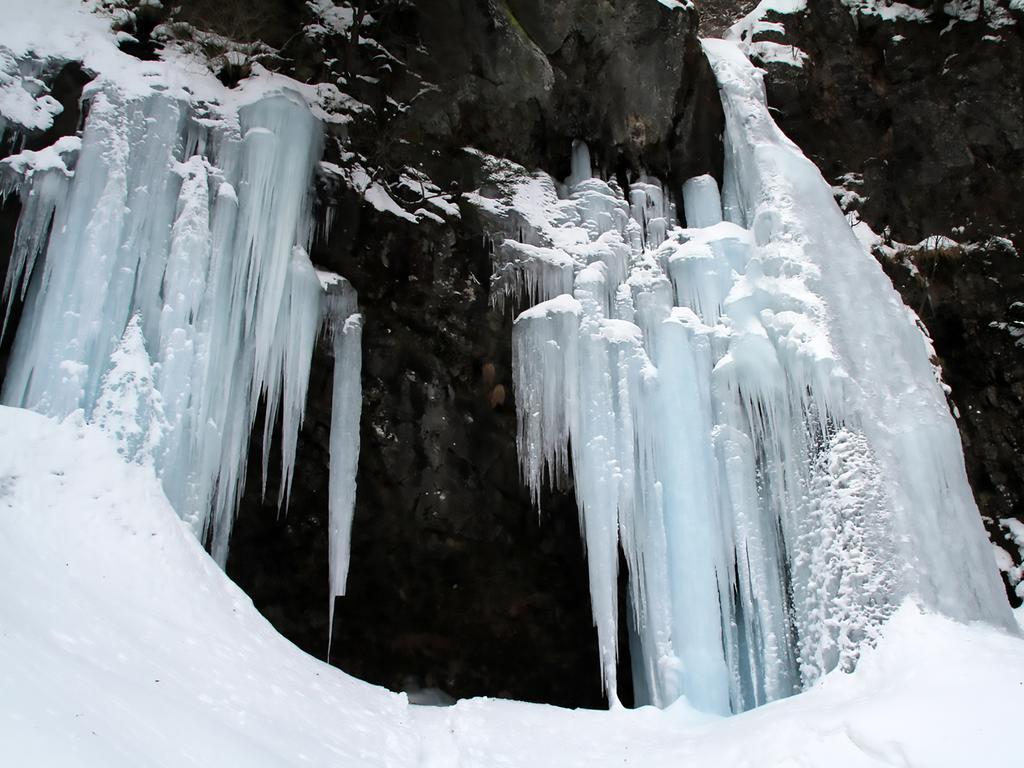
(123, 644)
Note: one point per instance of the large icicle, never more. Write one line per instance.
(748, 411)
(343, 326)
(179, 238)
(41, 180)
(893, 396)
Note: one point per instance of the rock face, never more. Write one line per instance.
(924, 113)
(925, 110)
(456, 581)
(627, 77)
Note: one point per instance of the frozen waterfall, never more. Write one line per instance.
(747, 410)
(162, 258)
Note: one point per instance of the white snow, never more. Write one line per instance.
(124, 645)
(677, 5)
(1015, 538)
(379, 198)
(888, 10)
(24, 101)
(337, 19)
(746, 31)
(753, 24)
(373, 191)
(769, 52)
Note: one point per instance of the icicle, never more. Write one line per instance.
(295, 342)
(600, 210)
(529, 271)
(700, 278)
(544, 361)
(344, 329)
(183, 290)
(702, 204)
(41, 180)
(759, 431)
(581, 168)
(648, 208)
(209, 257)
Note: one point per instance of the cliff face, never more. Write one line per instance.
(456, 581)
(917, 115)
(925, 106)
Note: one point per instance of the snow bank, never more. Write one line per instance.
(124, 645)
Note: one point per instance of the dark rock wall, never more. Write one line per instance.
(627, 77)
(456, 581)
(931, 114)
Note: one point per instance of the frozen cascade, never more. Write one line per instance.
(162, 258)
(748, 411)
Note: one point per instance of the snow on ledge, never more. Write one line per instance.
(72, 30)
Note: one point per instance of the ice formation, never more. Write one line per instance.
(162, 259)
(746, 409)
(344, 327)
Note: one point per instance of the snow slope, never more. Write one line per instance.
(123, 644)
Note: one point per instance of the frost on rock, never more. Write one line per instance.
(25, 101)
(746, 410)
(168, 294)
(747, 31)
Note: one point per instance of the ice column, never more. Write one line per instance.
(580, 167)
(179, 240)
(749, 412)
(895, 404)
(343, 327)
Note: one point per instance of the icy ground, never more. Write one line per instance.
(123, 644)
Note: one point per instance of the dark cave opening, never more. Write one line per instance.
(491, 600)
